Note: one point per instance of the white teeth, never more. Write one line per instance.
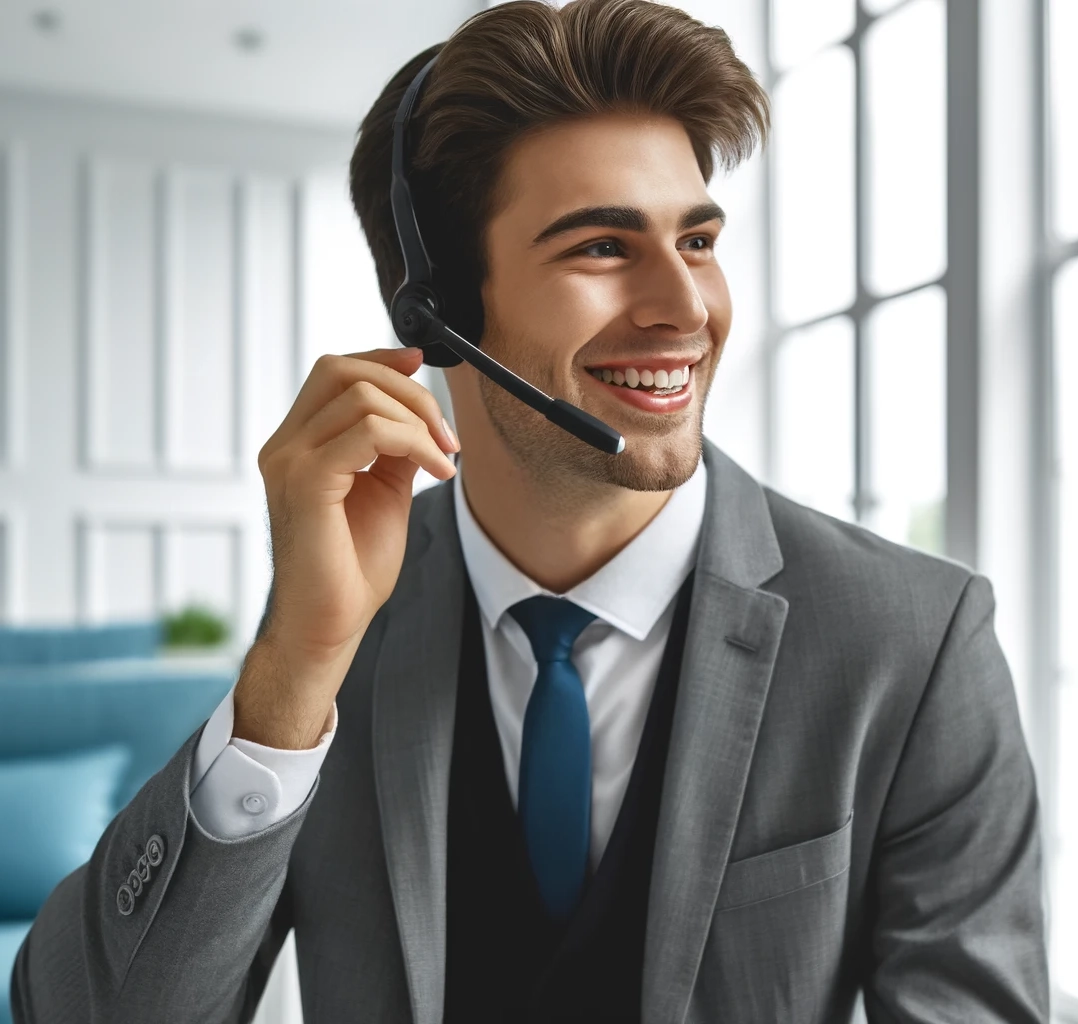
(662, 380)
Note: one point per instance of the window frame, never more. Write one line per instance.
(959, 280)
(1047, 672)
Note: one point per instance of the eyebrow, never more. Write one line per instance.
(625, 218)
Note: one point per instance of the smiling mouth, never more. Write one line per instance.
(654, 382)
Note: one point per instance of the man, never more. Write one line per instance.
(576, 736)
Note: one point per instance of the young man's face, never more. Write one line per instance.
(642, 291)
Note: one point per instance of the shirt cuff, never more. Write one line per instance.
(239, 787)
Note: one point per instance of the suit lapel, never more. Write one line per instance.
(414, 699)
(733, 638)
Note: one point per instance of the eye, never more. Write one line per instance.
(613, 244)
(709, 242)
(606, 242)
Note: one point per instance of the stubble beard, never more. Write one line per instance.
(562, 463)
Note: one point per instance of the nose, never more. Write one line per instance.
(664, 293)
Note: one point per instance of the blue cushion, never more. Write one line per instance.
(47, 645)
(149, 705)
(53, 811)
(11, 936)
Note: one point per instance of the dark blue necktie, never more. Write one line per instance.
(554, 795)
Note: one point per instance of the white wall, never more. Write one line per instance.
(168, 282)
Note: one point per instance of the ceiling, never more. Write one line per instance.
(319, 61)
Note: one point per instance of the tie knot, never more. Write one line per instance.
(552, 625)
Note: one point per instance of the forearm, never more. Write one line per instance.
(284, 697)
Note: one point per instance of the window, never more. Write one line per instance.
(859, 253)
(1064, 858)
(1060, 243)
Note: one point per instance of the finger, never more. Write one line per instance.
(363, 398)
(331, 374)
(410, 393)
(399, 473)
(386, 371)
(360, 445)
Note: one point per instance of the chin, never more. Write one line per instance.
(655, 466)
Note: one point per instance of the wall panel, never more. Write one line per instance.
(120, 298)
(118, 569)
(201, 319)
(269, 309)
(6, 288)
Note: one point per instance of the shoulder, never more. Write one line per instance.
(851, 576)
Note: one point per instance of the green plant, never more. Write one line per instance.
(195, 625)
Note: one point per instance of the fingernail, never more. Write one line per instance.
(449, 433)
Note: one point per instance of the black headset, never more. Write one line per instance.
(415, 309)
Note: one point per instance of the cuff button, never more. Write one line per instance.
(125, 900)
(254, 803)
(155, 850)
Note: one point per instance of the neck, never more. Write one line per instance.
(558, 532)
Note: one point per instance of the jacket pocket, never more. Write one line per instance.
(786, 870)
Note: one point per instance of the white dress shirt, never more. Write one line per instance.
(617, 656)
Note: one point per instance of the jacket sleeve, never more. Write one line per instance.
(166, 922)
(958, 932)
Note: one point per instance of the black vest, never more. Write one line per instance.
(506, 960)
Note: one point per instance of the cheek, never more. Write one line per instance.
(562, 312)
(716, 298)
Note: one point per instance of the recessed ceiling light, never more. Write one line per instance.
(46, 21)
(248, 39)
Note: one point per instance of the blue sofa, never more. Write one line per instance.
(87, 715)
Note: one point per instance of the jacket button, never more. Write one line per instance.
(134, 882)
(125, 900)
(142, 869)
(155, 850)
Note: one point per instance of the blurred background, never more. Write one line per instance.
(177, 248)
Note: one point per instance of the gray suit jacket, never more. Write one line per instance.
(848, 802)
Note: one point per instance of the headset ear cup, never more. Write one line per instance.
(439, 355)
(452, 271)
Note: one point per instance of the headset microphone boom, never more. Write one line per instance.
(415, 307)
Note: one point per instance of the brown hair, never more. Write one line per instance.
(525, 65)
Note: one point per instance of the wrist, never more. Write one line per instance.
(282, 702)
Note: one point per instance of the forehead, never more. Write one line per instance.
(631, 159)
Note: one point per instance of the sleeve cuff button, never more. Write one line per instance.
(125, 900)
(155, 850)
(254, 803)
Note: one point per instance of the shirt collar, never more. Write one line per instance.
(630, 592)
